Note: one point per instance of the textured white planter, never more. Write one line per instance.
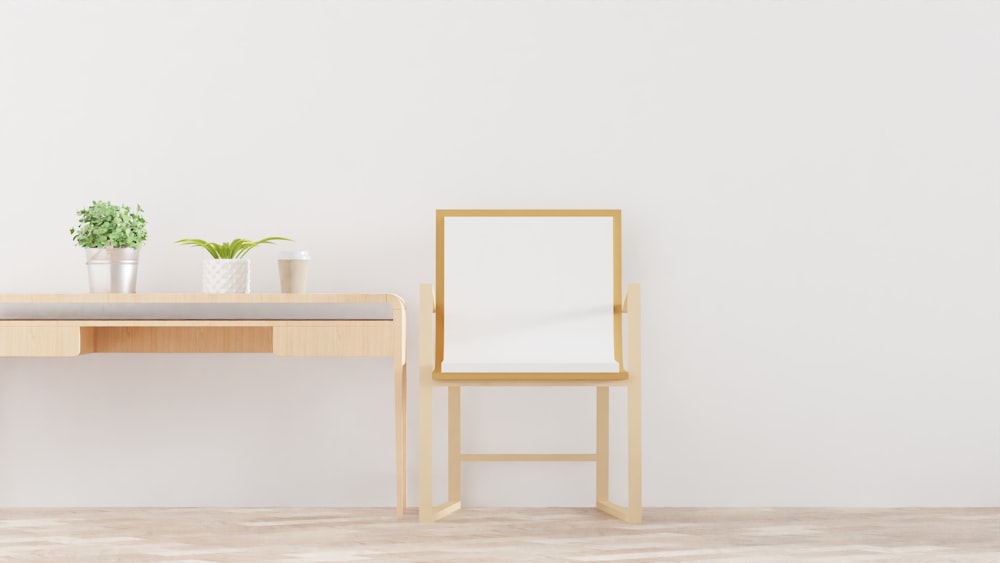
(112, 270)
(225, 276)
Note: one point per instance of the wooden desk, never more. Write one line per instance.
(28, 335)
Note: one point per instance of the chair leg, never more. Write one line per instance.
(602, 445)
(454, 444)
(426, 506)
(634, 511)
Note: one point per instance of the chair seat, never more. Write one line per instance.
(530, 367)
(528, 371)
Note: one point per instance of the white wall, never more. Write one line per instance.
(810, 195)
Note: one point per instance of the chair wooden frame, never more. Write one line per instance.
(431, 352)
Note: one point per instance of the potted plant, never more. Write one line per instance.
(111, 236)
(228, 270)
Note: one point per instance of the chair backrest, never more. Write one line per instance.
(528, 291)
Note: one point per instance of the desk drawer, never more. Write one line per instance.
(334, 338)
(48, 339)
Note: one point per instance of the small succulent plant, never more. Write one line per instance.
(235, 249)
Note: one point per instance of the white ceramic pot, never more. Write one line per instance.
(112, 270)
(225, 276)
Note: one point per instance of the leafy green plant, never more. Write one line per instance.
(106, 225)
(232, 250)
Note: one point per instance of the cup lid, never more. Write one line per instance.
(294, 255)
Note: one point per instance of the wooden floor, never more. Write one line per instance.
(667, 534)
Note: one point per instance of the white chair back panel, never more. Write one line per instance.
(522, 293)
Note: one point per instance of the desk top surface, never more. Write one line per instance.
(196, 298)
(313, 306)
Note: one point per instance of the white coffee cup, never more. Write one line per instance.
(293, 269)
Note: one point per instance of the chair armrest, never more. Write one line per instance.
(631, 305)
(427, 321)
(631, 296)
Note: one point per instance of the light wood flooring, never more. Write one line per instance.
(301, 535)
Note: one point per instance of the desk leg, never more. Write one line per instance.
(400, 437)
(399, 363)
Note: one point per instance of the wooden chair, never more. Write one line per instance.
(529, 298)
